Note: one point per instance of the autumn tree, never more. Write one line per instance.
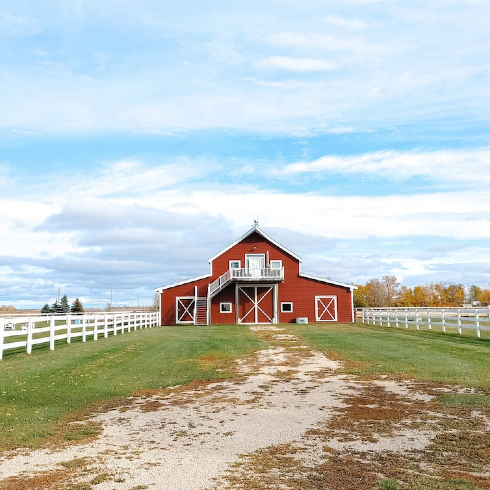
(391, 289)
(360, 300)
(375, 293)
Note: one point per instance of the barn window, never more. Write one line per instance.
(225, 307)
(276, 264)
(286, 307)
(235, 264)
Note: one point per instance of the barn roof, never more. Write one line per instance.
(329, 281)
(181, 283)
(256, 229)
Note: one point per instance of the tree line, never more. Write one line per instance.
(388, 292)
(63, 306)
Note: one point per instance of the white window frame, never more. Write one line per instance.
(239, 262)
(229, 304)
(283, 303)
(276, 264)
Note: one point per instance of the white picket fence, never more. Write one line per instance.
(448, 319)
(27, 331)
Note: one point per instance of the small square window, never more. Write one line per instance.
(225, 307)
(286, 307)
(235, 264)
(276, 264)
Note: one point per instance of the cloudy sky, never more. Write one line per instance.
(140, 137)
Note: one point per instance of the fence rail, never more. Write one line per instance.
(457, 319)
(27, 331)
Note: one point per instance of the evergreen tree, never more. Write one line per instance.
(46, 309)
(65, 305)
(77, 306)
(57, 307)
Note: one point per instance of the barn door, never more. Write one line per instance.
(256, 304)
(326, 308)
(185, 309)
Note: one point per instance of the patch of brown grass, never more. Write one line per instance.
(57, 479)
(459, 451)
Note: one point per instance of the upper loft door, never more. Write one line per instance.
(254, 263)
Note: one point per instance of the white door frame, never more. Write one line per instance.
(256, 302)
(254, 263)
(326, 308)
(190, 309)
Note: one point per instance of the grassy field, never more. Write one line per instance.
(40, 393)
(424, 355)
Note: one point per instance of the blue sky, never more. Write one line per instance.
(137, 139)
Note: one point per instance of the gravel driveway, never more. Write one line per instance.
(289, 420)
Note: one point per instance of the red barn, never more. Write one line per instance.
(256, 280)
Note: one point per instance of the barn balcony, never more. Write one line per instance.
(242, 275)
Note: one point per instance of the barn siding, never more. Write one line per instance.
(168, 298)
(300, 291)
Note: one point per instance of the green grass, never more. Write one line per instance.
(424, 355)
(39, 391)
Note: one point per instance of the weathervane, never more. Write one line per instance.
(256, 223)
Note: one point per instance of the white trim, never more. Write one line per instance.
(186, 309)
(328, 281)
(286, 303)
(325, 305)
(256, 302)
(277, 262)
(181, 283)
(223, 304)
(260, 256)
(256, 229)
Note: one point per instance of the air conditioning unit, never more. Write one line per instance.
(302, 319)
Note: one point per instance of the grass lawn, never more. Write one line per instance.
(41, 392)
(424, 355)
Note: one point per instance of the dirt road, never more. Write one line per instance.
(289, 420)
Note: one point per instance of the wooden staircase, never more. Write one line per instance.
(201, 312)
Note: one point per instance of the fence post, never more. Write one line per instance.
(429, 319)
(68, 329)
(52, 324)
(114, 324)
(444, 320)
(417, 319)
(2, 336)
(477, 320)
(95, 326)
(29, 335)
(106, 332)
(459, 321)
(84, 328)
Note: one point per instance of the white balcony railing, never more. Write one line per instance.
(246, 274)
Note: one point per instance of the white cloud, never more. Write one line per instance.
(353, 24)
(297, 64)
(441, 165)
(16, 25)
